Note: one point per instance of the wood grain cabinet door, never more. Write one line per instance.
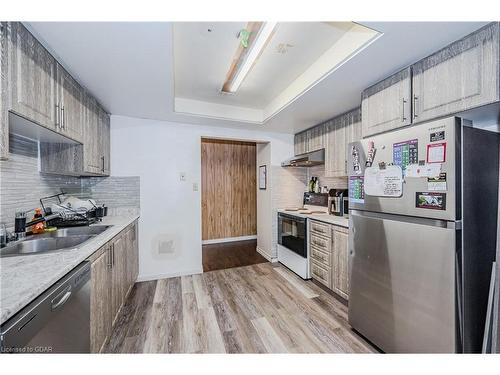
(104, 137)
(32, 79)
(301, 145)
(4, 116)
(340, 262)
(119, 272)
(387, 105)
(91, 162)
(353, 133)
(70, 100)
(335, 150)
(101, 316)
(459, 77)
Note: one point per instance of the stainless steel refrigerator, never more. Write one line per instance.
(422, 234)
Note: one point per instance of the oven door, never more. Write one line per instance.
(292, 233)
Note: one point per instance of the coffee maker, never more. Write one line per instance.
(337, 202)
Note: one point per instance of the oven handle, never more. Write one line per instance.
(292, 217)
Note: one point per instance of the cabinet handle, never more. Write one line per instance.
(415, 98)
(58, 115)
(109, 257)
(102, 158)
(113, 253)
(63, 121)
(404, 102)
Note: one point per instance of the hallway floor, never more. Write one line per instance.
(231, 254)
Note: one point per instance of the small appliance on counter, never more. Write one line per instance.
(338, 202)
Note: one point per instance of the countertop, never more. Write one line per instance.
(326, 218)
(23, 278)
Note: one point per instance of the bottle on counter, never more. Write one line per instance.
(38, 227)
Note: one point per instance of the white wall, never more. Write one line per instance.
(170, 224)
(264, 201)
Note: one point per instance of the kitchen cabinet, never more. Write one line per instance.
(340, 270)
(387, 105)
(316, 138)
(70, 104)
(301, 145)
(4, 117)
(328, 250)
(96, 145)
(104, 133)
(340, 132)
(114, 272)
(461, 76)
(101, 316)
(32, 79)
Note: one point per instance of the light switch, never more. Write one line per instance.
(182, 176)
(195, 186)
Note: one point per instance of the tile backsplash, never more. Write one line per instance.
(22, 185)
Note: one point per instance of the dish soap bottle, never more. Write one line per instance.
(39, 227)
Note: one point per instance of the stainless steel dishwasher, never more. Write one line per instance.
(58, 321)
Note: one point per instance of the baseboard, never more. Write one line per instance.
(229, 239)
(266, 255)
(168, 275)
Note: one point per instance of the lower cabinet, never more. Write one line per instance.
(328, 250)
(114, 271)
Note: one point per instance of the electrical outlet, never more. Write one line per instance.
(195, 186)
(182, 176)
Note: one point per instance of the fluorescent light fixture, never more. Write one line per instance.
(253, 53)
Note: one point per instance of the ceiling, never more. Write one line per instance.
(129, 67)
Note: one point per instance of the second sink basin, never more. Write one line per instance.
(92, 230)
(42, 245)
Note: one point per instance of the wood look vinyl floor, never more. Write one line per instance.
(261, 308)
(220, 256)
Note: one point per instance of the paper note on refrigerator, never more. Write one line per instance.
(426, 170)
(386, 182)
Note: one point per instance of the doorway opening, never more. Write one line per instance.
(229, 204)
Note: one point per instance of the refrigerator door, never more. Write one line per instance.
(402, 282)
(431, 145)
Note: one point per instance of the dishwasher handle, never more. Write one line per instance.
(66, 294)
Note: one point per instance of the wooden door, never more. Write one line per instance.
(32, 79)
(70, 101)
(353, 132)
(387, 105)
(461, 76)
(4, 116)
(104, 137)
(101, 315)
(340, 261)
(229, 189)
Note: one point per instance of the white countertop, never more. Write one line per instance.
(25, 277)
(326, 218)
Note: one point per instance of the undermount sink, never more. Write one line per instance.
(61, 239)
(42, 245)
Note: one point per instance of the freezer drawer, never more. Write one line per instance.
(402, 280)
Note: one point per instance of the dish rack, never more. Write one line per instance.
(68, 217)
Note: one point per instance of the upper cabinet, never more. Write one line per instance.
(312, 139)
(4, 118)
(459, 77)
(70, 105)
(341, 131)
(35, 86)
(462, 76)
(387, 104)
(32, 79)
(96, 138)
(301, 145)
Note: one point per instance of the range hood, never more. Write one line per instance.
(309, 159)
